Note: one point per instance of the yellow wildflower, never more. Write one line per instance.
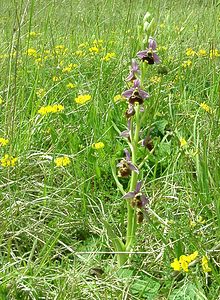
(190, 52)
(192, 223)
(69, 68)
(81, 99)
(183, 142)
(33, 34)
(214, 53)
(186, 63)
(60, 49)
(193, 256)
(99, 145)
(205, 106)
(44, 110)
(94, 49)
(155, 79)
(62, 161)
(117, 98)
(184, 264)
(70, 85)
(39, 61)
(205, 265)
(3, 142)
(8, 161)
(202, 52)
(32, 52)
(80, 53)
(200, 220)
(184, 258)
(56, 78)
(162, 25)
(108, 56)
(176, 265)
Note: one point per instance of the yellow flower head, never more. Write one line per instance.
(33, 34)
(183, 262)
(60, 49)
(193, 256)
(99, 145)
(205, 265)
(204, 106)
(186, 63)
(8, 161)
(32, 52)
(80, 53)
(117, 98)
(184, 265)
(82, 99)
(190, 52)
(3, 142)
(155, 79)
(70, 85)
(214, 53)
(62, 161)
(202, 52)
(94, 49)
(183, 142)
(176, 265)
(44, 110)
(56, 78)
(109, 56)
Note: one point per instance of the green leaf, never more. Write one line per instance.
(187, 292)
(161, 125)
(125, 273)
(147, 288)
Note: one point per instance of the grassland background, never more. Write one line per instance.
(51, 216)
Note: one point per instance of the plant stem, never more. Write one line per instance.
(132, 219)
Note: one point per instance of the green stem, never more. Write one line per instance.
(132, 219)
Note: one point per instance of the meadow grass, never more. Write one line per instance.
(53, 241)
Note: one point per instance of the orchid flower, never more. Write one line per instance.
(134, 71)
(149, 54)
(135, 94)
(126, 166)
(138, 199)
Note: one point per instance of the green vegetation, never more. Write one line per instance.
(63, 69)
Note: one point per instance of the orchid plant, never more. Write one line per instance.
(136, 200)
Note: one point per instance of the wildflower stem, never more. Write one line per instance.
(132, 219)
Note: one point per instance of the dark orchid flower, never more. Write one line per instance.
(130, 111)
(134, 71)
(149, 54)
(126, 166)
(135, 94)
(147, 143)
(137, 198)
